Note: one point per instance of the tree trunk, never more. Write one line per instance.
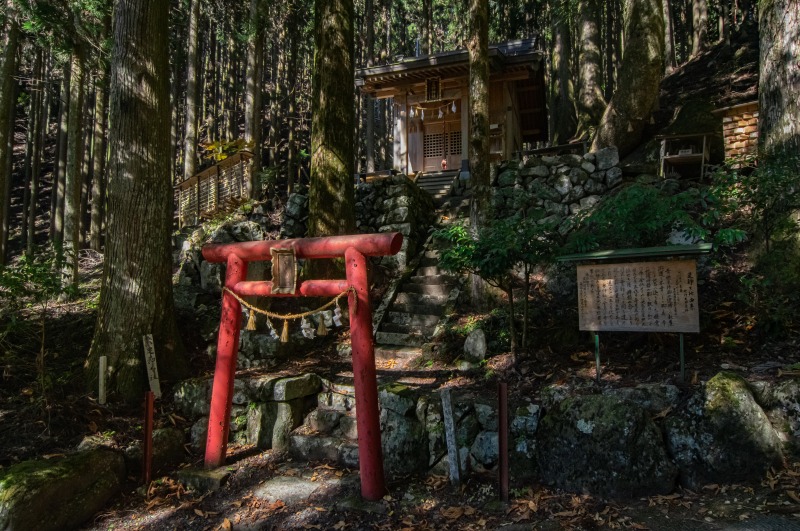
(699, 26)
(369, 52)
(99, 153)
(7, 68)
(32, 149)
(291, 115)
(478, 48)
(192, 93)
(669, 39)
(562, 109)
(252, 100)
(42, 119)
(779, 79)
(639, 78)
(59, 182)
(331, 196)
(591, 103)
(426, 44)
(136, 298)
(74, 181)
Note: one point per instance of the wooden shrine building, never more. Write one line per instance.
(430, 96)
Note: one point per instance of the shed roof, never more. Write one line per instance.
(503, 57)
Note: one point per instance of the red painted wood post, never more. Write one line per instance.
(147, 445)
(219, 418)
(370, 456)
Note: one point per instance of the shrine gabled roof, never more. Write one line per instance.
(502, 57)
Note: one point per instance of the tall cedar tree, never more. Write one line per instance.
(136, 297)
(7, 68)
(192, 92)
(563, 121)
(639, 78)
(590, 103)
(73, 180)
(478, 48)
(331, 193)
(779, 79)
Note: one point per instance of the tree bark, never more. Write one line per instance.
(639, 78)
(331, 194)
(59, 183)
(99, 154)
(426, 46)
(478, 49)
(562, 109)
(7, 68)
(369, 52)
(42, 119)
(192, 93)
(699, 26)
(669, 39)
(136, 297)
(779, 79)
(252, 100)
(74, 181)
(590, 103)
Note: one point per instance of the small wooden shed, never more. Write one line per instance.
(739, 129)
(430, 97)
(220, 188)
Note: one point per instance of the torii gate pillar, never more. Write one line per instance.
(354, 249)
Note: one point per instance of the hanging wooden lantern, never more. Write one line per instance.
(284, 271)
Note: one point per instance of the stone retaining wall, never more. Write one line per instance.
(551, 189)
(391, 204)
(618, 442)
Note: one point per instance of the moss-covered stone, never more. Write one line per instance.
(723, 434)
(61, 493)
(605, 446)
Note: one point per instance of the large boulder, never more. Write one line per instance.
(723, 434)
(604, 446)
(61, 493)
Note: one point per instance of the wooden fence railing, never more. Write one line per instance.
(220, 188)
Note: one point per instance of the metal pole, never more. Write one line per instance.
(370, 456)
(597, 355)
(147, 444)
(502, 391)
(683, 365)
(219, 418)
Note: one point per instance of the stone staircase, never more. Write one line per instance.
(439, 184)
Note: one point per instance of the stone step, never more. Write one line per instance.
(437, 186)
(396, 358)
(407, 329)
(429, 269)
(415, 319)
(433, 280)
(427, 179)
(391, 338)
(419, 299)
(426, 309)
(441, 290)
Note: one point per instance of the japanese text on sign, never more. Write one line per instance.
(639, 297)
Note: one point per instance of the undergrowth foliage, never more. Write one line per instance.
(27, 286)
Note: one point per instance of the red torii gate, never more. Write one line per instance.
(354, 249)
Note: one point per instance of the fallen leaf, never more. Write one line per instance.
(226, 525)
(198, 512)
(452, 513)
(793, 496)
(93, 427)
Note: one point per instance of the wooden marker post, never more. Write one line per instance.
(152, 366)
